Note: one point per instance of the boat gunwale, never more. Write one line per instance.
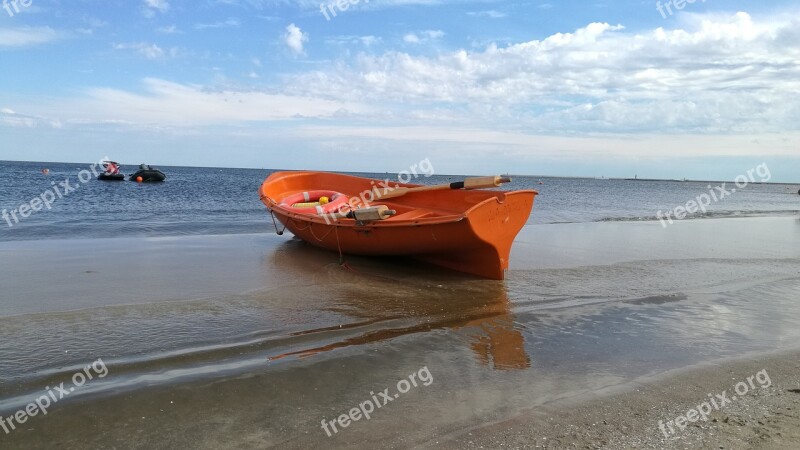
(274, 206)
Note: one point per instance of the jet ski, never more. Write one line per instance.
(147, 174)
(111, 172)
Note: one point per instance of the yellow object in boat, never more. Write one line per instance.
(306, 205)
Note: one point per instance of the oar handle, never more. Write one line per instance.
(468, 183)
(481, 182)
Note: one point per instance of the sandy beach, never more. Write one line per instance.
(631, 416)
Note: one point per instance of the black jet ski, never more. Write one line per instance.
(111, 173)
(147, 174)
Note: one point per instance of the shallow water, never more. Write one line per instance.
(247, 340)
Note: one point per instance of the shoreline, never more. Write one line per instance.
(629, 415)
(192, 267)
(713, 216)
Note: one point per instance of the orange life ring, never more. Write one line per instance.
(337, 200)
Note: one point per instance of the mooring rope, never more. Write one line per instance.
(335, 229)
(280, 233)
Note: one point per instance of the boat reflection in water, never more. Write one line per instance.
(390, 298)
(498, 344)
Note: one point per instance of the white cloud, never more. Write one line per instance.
(369, 40)
(713, 85)
(148, 50)
(314, 4)
(348, 39)
(490, 13)
(423, 36)
(231, 22)
(11, 118)
(411, 38)
(167, 104)
(539, 145)
(294, 39)
(171, 29)
(27, 36)
(151, 7)
(712, 75)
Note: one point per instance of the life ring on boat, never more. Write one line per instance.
(336, 201)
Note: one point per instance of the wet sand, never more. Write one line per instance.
(250, 341)
(764, 418)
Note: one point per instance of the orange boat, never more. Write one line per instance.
(456, 225)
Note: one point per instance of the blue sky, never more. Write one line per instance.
(554, 88)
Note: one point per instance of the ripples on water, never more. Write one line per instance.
(574, 320)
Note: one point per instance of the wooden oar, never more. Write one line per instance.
(469, 183)
(371, 214)
(380, 212)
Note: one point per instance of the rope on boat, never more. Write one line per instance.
(342, 262)
(280, 233)
(311, 230)
(339, 246)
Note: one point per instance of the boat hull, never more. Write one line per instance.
(111, 177)
(472, 233)
(149, 176)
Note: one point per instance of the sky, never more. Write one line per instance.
(611, 88)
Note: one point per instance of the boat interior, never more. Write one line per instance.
(417, 207)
